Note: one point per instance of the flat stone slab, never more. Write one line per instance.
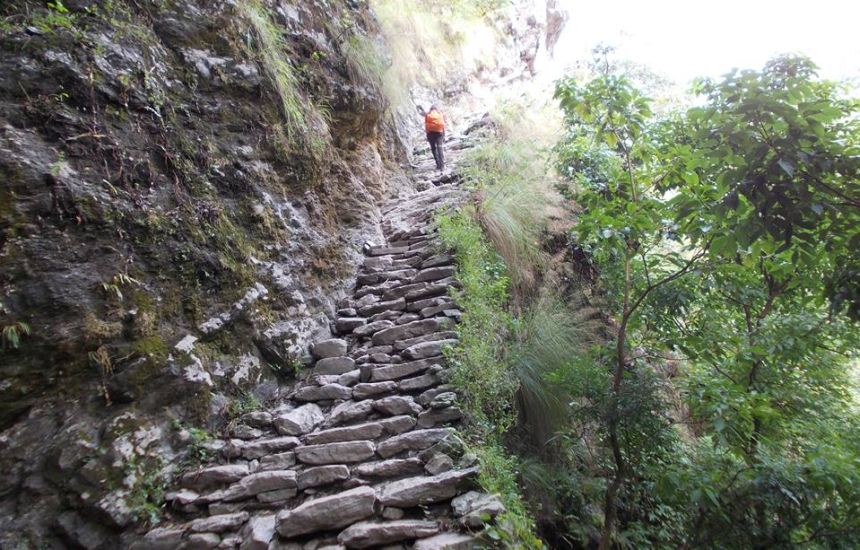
(398, 424)
(474, 508)
(387, 251)
(397, 405)
(219, 523)
(427, 349)
(403, 370)
(432, 417)
(411, 441)
(334, 365)
(333, 347)
(401, 332)
(336, 453)
(370, 430)
(300, 420)
(323, 393)
(263, 447)
(327, 513)
(258, 532)
(366, 534)
(345, 325)
(372, 328)
(395, 467)
(261, 482)
(349, 411)
(401, 345)
(415, 491)
(419, 383)
(447, 541)
(206, 478)
(392, 305)
(440, 259)
(322, 475)
(434, 274)
(365, 390)
(278, 461)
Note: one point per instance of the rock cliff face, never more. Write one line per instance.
(185, 189)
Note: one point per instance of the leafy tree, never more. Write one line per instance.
(728, 234)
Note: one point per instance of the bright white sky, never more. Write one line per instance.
(685, 39)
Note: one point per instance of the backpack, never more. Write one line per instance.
(434, 122)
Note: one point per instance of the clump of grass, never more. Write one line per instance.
(510, 174)
(431, 43)
(304, 122)
(546, 339)
(364, 60)
(486, 383)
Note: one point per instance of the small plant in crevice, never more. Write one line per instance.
(12, 334)
(197, 452)
(245, 403)
(147, 488)
(113, 287)
(101, 359)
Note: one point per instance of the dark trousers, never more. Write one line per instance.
(436, 140)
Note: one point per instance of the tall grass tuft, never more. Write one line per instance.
(511, 176)
(304, 122)
(546, 340)
(364, 60)
(432, 43)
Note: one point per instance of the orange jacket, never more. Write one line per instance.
(434, 121)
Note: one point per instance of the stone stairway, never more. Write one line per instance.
(364, 452)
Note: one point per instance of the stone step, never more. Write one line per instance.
(418, 491)
(327, 513)
(343, 452)
(366, 534)
(416, 440)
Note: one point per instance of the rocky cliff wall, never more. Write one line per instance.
(184, 195)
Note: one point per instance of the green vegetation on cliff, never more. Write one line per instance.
(717, 403)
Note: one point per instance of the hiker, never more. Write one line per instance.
(434, 124)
